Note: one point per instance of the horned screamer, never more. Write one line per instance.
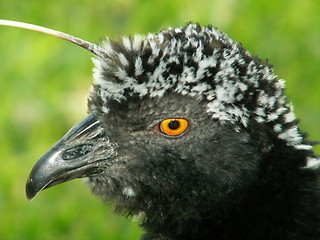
(194, 135)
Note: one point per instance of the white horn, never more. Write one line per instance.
(82, 43)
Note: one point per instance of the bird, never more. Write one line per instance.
(192, 136)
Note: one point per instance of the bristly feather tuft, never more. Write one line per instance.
(203, 63)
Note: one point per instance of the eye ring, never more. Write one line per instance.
(173, 126)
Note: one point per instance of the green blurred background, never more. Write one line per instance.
(44, 83)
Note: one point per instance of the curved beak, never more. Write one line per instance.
(80, 153)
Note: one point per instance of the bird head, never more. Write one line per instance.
(180, 123)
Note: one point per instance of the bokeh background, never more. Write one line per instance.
(44, 83)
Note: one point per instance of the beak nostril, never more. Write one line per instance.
(77, 151)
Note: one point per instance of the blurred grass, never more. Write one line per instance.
(44, 83)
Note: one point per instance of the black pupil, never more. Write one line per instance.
(174, 124)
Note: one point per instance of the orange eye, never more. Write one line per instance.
(174, 126)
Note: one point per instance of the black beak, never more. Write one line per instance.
(80, 153)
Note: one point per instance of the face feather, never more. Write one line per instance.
(200, 62)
